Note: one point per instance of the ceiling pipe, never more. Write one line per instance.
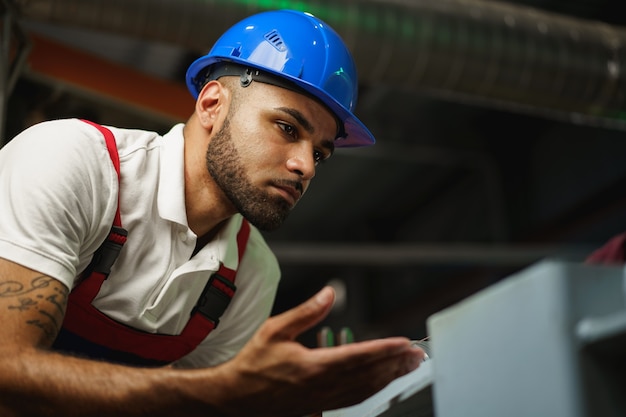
(398, 255)
(478, 51)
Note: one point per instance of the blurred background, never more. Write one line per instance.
(501, 133)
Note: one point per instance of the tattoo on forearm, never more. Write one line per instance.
(50, 327)
(29, 298)
(59, 299)
(12, 288)
(25, 304)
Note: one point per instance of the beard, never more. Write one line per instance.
(263, 210)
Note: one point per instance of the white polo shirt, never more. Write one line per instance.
(58, 197)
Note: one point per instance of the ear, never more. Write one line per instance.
(210, 103)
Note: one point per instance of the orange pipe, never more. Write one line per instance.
(105, 78)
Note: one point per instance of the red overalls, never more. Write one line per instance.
(88, 332)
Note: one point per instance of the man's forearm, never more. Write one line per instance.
(40, 383)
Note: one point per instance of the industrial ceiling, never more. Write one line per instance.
(501, 133)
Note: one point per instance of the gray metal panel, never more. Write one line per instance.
(512, 349)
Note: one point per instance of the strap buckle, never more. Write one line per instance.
(107, 253)
(215, 297)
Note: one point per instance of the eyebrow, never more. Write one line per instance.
(299, 117)
(328, 144)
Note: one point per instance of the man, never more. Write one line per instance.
(193, 283)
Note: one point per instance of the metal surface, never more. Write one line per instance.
(514, 349)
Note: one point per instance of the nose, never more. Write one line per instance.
(302, 163)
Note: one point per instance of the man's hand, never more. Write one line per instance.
(279, 377)
(272, 376)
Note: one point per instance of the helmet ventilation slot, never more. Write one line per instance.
(276, 40)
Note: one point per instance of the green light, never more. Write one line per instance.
(298, 5)
(391, 23)
(616, 114)
(266, 4)
(332, 14)
(443, 36)
(370, 21)
(388, 20)
(407, 28)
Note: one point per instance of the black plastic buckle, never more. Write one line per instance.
(213, 301)
(107, 253)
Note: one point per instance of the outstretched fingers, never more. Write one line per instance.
(362, 369)
(394, 356)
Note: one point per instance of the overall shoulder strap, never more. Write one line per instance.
(107, 253)
(115, 158)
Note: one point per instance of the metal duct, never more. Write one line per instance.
(483, 51)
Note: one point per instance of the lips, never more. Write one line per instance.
(291, 192)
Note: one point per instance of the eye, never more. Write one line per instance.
(288, 129)
(319, 157)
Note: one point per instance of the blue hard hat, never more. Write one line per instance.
(300, 48)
